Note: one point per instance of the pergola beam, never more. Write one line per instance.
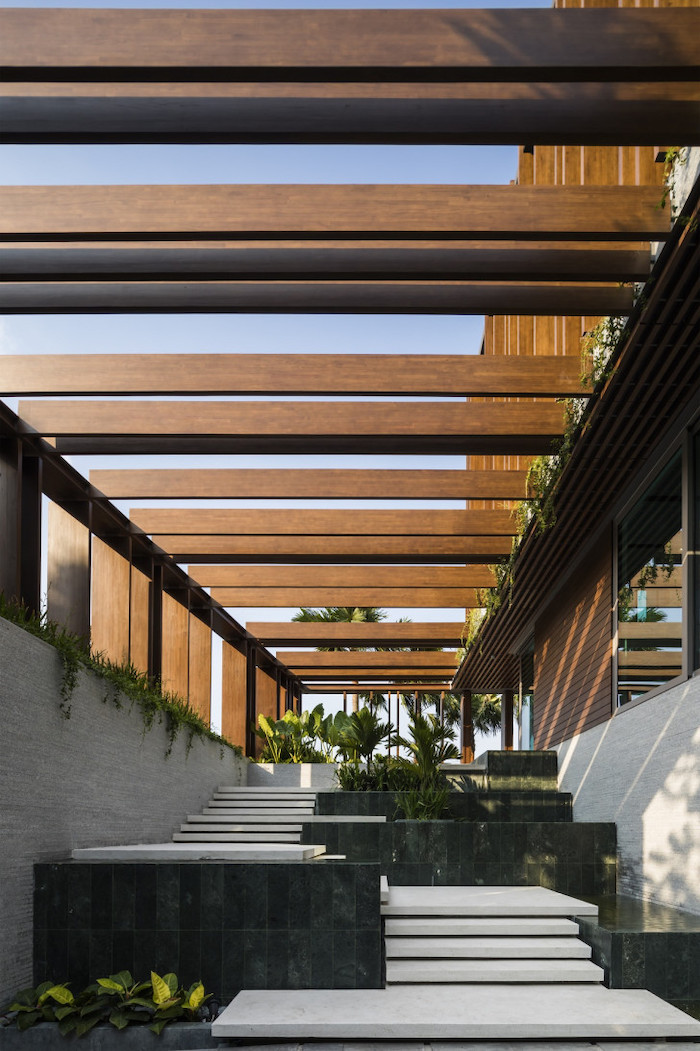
(608, 213)
(447, 375)
(524, 428)
(343, 578)
(351, 688)
(347, 549)
(392, 598)
(311, 484)
(362, 634)
(318, 524)
(409, 46)
(366, 661)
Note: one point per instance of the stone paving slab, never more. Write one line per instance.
(427, 1012)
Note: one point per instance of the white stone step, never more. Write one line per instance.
(232, 827)
(210, 851)
(263, 790)
(487, 948)
(281, 816)
(483, 901)
(236, 837)
(484, 926)
(443, 971)
(384, 888)
(213, 817)
(253, 811)
(268, 797)
(427, 1012)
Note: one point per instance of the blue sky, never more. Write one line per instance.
(256, 333)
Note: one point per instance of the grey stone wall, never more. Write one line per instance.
(641, 770)
(93, 779)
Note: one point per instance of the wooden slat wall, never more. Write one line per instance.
(175, 659)
(200, 668)
(266, 700)
(68, 561)
(573, 654)
(233, 694)
(139, 626)
(110, 602)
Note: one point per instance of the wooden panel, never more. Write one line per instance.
(573, 655)
(200, 668)
(233, 694)
(68, 572)
(445, 427)
(307, 297)
(482, 114)
(381, 687)
(424, 660)
(430, 680)
(109, 631)
(288, 260)
(346, 550)
(265, 484)
(384, 634)
(175, 660)
(572, 45)
(266, 700)
(139, 628)
(593, 212)
(275, 374)
(648, 630)
(339, 523)
(343, 577)
(418, 598)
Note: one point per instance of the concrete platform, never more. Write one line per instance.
(480, 926)
(418, 972)
(497, 948)
(426, 1012)
(201, 852)
(479, 1045)
(483, 901)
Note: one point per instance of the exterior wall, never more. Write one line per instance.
(92, 780)
(573, 654)
(320, 776)
(641, 769)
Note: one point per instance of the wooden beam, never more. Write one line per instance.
(608, 213)
(288, 260)
(308, 523)
(402, 686)
(526, 428)
(325, 633)
(343, 484)
(418, 598)
(305, 297)
(273, 374)
(429, 114)
(343, 577)
(347, 550)
(467, 45)
(432, 681)
(301, 661)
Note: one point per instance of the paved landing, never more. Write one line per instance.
(201, 852)
(420, 1012)
(483, 901)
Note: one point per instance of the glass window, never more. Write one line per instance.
(650, 587)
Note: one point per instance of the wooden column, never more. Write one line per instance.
(68, 571)
(507, 721)
(233, 694)
(109, 621)
(175, 647)
(139, 627)
(199, 687)
(467, 728)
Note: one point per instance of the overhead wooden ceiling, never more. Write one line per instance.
(565, 243)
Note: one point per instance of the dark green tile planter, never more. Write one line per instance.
(526, 805)
(236, 926)
(570, 857)
(180, 1036)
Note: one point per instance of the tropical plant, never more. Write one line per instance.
(424, 803)
(430, 744)
(118, 999)
(364, 733)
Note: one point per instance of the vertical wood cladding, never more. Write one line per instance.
(573, 654)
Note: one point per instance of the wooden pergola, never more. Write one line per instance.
(544, 259)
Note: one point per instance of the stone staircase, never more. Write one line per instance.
(424, 945)
(250, 815)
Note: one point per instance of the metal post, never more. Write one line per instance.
(507, 721)
(467, 728)
(251, 717)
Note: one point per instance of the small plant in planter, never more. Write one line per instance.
(118, 1000)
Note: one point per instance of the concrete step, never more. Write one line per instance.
(480, 926)
(236, 837)
(213, 817)
(491, 971)
(487, 948)
(209, 851)
(225, 808)
(487, 902)
(234, 827)
(428, 1012)
(268, 797)
(263, 790)
(226, 814)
